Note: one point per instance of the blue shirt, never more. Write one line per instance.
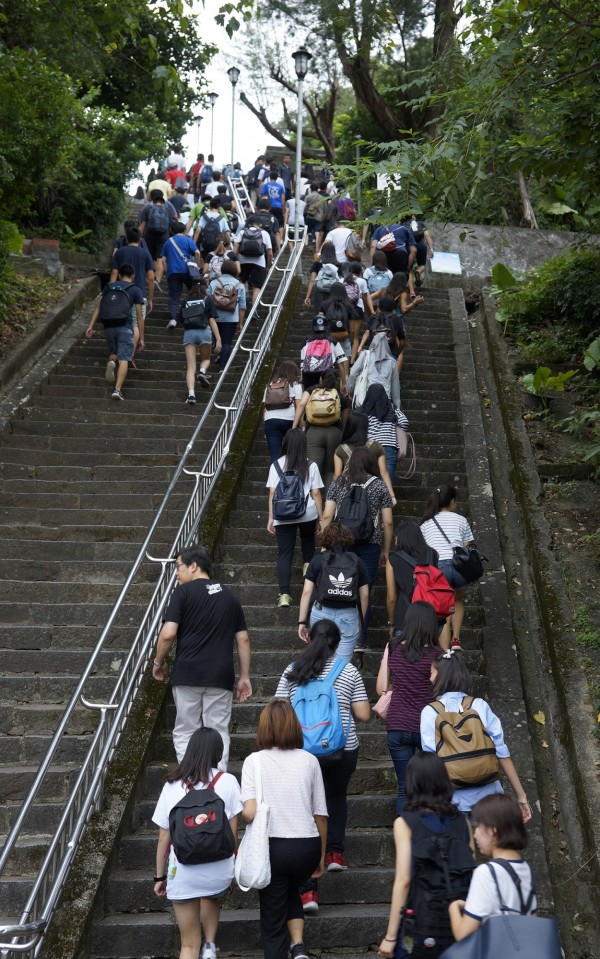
(226, 316)
(403, 236)
(274, 191)
(176, 262)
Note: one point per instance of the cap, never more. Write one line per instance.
(319, 324)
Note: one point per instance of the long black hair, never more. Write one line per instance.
(362, 465)
(324, 640)
(398, 284)
(410, 539)
(419, 629)
(327, 254)
(452, 676)
(295, 451)
(439, 499)
(355, 428)
(204, 752)
(428, 786)
(339, 296)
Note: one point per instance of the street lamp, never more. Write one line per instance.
(213, 97)
(301, 58)
(198, 121)
(234, 74)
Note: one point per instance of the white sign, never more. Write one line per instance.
(445, 263)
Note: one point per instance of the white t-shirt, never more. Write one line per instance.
(212, 188)
(338, 353)
(482, 899)
(287, 412)
(207, 878)
(292, 785)
(339, 238)
(313, 481)
(363, 290)
(291, 205)
(456, 529)
(259, 260)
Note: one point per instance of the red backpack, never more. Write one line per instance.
(431, 586)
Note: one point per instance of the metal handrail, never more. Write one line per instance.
(86, 795)
(239, 191)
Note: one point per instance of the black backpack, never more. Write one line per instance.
(199, 827)
(355, 512)
(442, 866)
(336, 313)
(251, 243)
(193, 315)
(211, 229)
(114, 306)
(338, 579)
(289, 498)
(158, 218)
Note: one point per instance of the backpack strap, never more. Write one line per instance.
(334, 672)
(407, 558)
(215, 779)
(434, 520)
(347, 450)
(525, 906)
(279, 469)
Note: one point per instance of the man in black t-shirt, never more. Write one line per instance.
(207, 619)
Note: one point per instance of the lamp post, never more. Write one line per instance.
(198, 121)
(213, 97)
(234, 74)
(301, 58)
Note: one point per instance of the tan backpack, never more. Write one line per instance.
(463, 745)
(323, 407)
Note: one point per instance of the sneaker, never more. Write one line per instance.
(456, 644)
(360, 647)
(110, 371)
(310, 901)
(284, 599)
(299, 951)
(209, 951)
(117, 395)
(204, 377)
(191, 399)
(304, 569)
(171, 324)
(157, 286)
(418, 278)
(335, 862)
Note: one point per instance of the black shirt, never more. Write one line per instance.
(314, 569)
(208, 616)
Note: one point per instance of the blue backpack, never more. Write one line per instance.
(318, 711)
(378, 280)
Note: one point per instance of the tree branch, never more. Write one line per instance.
(569, 76)
(262, 116)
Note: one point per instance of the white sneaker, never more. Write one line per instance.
(110, 371)
(284, 599)
(171, 324)
(209, 951)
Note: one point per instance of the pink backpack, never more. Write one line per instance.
(318, 356)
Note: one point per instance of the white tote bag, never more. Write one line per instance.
(253, 863)
(360, 386)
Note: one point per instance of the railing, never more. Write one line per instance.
(239, 191)
(86, 794)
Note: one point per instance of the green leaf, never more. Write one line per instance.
(591, 356)
(502, 278)
(559, 209)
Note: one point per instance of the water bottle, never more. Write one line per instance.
(408, 925)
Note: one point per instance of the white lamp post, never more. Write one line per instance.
(198, 121)
(234, 74)
(301, 58)
(213, 97)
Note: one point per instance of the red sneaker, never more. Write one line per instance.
(455, 645)
(310, 901)
(335, 862)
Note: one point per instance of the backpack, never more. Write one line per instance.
(158, 218)
(225, 295)
(338, 579)
(442, 866)
(378, 280)
(346, 208)
(354, 247)
(337, 318)
(115, 306)
(464, 746)
(386, 242)
(277, 395)
(252, 177)
(206, 173)
(193, 315)
(318, 356)
(318, 710)
(289, 498)
(352, 291)
(214, 266)
(326, 277)
(251, 243)
(431, 586)
(323, 407)
(266, 223)
(199, 828)
(210, 230)
(315, 206)
(355, 512)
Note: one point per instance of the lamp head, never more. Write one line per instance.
(213, 97)
(234, 74)
(198, 119)
(301, 58)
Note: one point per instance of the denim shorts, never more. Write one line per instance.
(120, 341)
(456, 580)
(197, 337)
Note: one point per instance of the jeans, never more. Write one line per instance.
(227, 333)
(347, 620)
(369, 553)
(336, 776)
(292, 862)
(275, 430)
(391, 460)
(402, 746)
(286, 544)
(175, 285)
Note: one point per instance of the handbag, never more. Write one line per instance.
(360, 387)
(467, 560)
(511, 935)
(405, 442)
(253, 862)
(193, 270)
(383, 703)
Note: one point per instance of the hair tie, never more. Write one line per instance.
(448, 654)
(437, 489)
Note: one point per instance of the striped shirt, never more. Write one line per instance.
(349, 687)
(454, 526)
(411, 688)
(385, 433)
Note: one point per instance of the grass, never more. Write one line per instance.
(586, 635)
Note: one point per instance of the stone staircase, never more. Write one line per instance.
(354, 904)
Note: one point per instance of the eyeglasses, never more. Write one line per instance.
(179, 565)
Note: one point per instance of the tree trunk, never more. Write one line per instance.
(289, 144)
(528, 214)
(444, 26)
(360, 76)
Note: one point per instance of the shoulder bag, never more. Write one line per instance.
(467, 560)
(253, 862)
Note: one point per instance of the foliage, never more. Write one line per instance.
(555, 345)
(540, 382)
(586, 634)
(592, 542)
(591, 356)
